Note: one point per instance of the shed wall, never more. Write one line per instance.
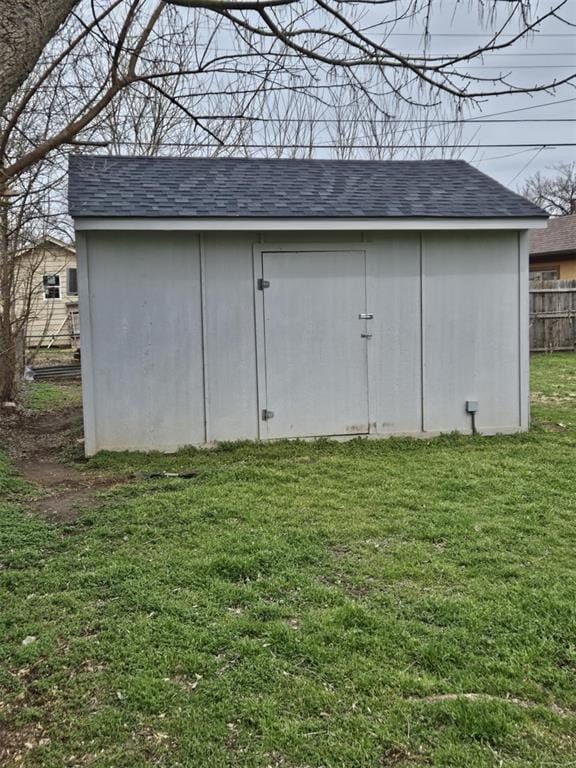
(144, 358)
(175, 349)
(230, 349)
(394, 352)
(471, 330)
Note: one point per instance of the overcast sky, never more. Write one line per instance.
(546, 54)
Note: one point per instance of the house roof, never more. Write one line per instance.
(156, 187)
(558, 237)
(46, 243)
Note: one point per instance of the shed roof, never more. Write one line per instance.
(192, 187)
(558, 237)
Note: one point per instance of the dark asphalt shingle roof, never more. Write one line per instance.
(153, 187)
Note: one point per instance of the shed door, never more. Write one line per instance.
(316, 376)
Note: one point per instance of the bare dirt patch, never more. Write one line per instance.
(63, 489)
(41, 447)
(16, 743)
(36, 443)
(30, 436)
(63, 507)
(551, 426)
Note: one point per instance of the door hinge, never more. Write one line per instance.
(267, 415)
(263, 284)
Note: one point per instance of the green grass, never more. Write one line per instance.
(553, 384)
(11, 484)
(43, 396)
(295, 604)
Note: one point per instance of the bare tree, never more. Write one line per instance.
(271, 39)
(27, 27)
(25, 221)
(25, 30)
(555, 193)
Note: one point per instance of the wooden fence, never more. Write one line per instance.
(553, 316)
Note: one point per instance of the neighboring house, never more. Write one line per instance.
(227, 299)
(48, 274)
(553, 250)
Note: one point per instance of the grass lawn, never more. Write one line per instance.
(397, 603)
(44, 396)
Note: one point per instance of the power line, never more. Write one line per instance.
(415, 56)
(71, 86)
(479, 120)
(536, 35)
(502, 157)
(389, 121)
(526, 165)
(462, 64)
(486, 53)
(515, 66)
(525, 35)
(526, 109)
(241, 145)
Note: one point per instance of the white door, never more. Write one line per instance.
(316, 377)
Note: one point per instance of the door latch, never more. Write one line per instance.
(366, 335)
(365, 316)
(267, 415)
(263, 284)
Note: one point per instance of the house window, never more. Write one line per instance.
(72, 281)
(539, 274)
(51, 286)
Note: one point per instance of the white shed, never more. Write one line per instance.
(231, 299)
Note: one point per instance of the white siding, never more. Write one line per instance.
(524, 328)
(471, 330)
(146, 340)
(395, 355)
(232, 410)
(176, 332)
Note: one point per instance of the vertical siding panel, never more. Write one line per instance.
(87, 359)
(470, 289)
(394, 362)
(205, 399)
(145, 310)
(524, 328)
(230, 337)
(263, 427)
(422, 334)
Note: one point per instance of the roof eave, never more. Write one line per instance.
(570, 251)
(85, 223)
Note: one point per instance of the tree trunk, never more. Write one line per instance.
(26, 26)
(8, 356)
(8, 363)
